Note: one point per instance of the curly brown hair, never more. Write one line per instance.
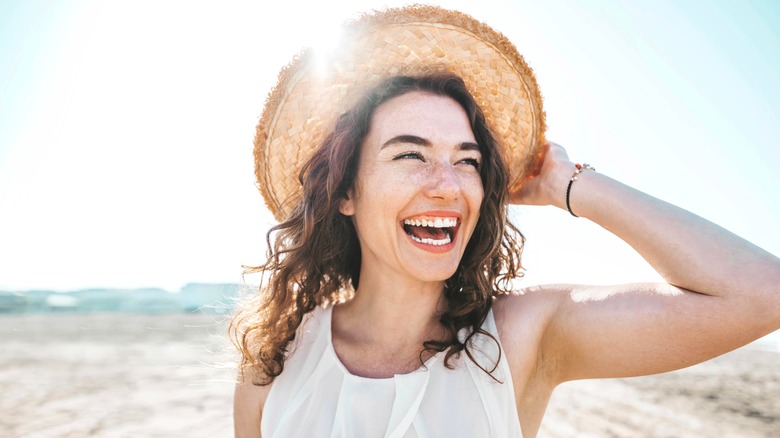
(314, 255)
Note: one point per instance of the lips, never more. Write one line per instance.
(431, 230)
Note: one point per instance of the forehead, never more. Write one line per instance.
(430, 116)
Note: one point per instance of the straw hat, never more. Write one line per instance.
(315, 89)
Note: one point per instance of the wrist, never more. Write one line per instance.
(574, 177)
(557, 182)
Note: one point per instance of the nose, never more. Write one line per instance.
(443, 182)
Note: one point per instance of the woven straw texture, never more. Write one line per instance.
(315, 89)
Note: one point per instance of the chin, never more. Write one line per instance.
(436, 275)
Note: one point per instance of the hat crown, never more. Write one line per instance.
(316, 88)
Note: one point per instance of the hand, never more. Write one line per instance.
(547, 185)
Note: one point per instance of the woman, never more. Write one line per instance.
(386, 310)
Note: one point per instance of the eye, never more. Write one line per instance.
(472, 162)
(409, 155)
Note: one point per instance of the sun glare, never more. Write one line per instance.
(322, 35)
(324, 46)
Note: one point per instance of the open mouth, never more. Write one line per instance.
(436, 231)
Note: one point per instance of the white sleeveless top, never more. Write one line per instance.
(316, 396)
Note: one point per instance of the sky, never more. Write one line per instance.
(126, 128)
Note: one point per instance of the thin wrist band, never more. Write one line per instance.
(580, 168)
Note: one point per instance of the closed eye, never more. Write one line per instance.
(472, 162)
(409, 155)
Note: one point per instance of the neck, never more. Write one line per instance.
(395, 314)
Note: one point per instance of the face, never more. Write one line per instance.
(418, 190)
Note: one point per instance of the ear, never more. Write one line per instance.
(347, 204)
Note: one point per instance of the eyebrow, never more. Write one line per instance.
(413, 139)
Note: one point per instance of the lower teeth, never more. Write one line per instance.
(429, 241)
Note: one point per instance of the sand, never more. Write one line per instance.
(115, 375)
(734, 395)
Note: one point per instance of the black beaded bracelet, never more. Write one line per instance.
(580, 168)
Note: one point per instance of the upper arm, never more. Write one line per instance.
(248, 402)
(635, 329)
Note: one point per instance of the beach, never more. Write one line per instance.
(122, 375)
(734, 395)
(114, 375)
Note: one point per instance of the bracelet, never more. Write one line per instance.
(580, 168)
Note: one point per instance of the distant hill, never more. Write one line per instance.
(194, 297)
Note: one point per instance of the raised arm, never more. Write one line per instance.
(721, 292)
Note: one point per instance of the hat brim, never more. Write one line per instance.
(315, 89)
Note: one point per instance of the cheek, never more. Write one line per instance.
(472, 185)
(391, 183)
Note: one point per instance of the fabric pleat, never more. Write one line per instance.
(409, 393)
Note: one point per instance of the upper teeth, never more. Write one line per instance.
(439, 222)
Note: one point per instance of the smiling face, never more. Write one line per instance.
(418, 190)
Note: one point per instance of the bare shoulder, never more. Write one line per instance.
(523, 316)
(522, 319)
(248, 402)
